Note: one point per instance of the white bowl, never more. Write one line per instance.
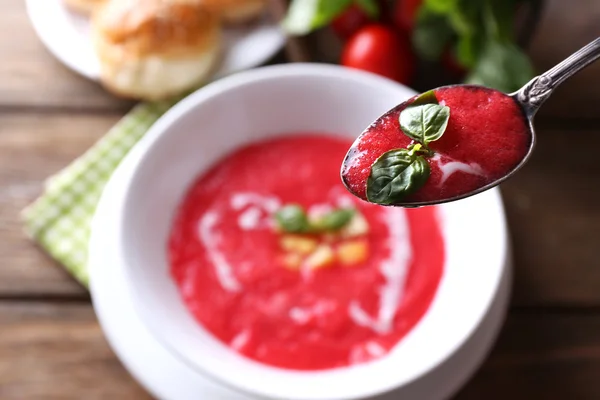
(276, 101)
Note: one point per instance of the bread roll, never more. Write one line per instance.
(152, 49)
(85, 7)
(236, 11)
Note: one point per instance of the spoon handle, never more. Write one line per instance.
(536, 92)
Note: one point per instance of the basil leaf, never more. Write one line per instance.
(499, 19)
(502, 66)
(292, 219)
(467, 50)
(441, 6)
(334, 220)
(431, 34)
(304, 16)
(395, 175)
(425, 98)
(370, 7)
(465, 18)
(482, 36)
(426, 123)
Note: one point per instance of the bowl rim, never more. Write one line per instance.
(256, 76)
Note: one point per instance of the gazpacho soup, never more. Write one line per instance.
(278, 261)
(439, 145)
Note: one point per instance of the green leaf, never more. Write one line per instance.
(468, 48)
(481, 33)
(441, 6)
(395, 175)
(305, 16)
(465, 18)
(467, 24)
(370, 7)
(502, 66)
(431, 34)
(334, 220)
(499, 19)
(425, 98)
(425, 123)
(292, 219)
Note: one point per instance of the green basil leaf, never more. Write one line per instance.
(304, 16)
(502, 66)
(425, 123)
(425, 98)
(465, 18)
(467, 50)
(498, 18)
(431, 34)
(395, 175)
(441, 6)
(335, 220)
(292, 219)
(370, 7)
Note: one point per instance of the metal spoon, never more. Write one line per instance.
(530, 97)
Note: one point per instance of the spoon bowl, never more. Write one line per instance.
(527, 100)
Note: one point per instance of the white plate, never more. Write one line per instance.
(66, 35)
(168, 378)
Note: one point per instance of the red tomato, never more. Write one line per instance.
(405, 14)
(350, 21)
(379, 49)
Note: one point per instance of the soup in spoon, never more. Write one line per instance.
(437, 146)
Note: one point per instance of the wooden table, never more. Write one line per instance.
(51, 346)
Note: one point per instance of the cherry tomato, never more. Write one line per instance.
(405, 14)
(381, 50)
(346, 24)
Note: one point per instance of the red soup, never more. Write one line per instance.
(487, 136)
(305, 301)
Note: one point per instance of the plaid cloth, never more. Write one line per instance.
(60, 219)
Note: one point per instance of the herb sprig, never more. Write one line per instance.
(305, 16)
(399, 173)
(480, 34)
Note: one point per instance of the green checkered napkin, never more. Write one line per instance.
(60, 219)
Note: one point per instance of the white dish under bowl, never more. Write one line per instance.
(271, 102)
(66, 34)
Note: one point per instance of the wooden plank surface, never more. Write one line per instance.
(554, 218)
(542, 356)
(33, 146)
(57, 351)
(567, 26)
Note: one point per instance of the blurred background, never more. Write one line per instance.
(51, 346)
